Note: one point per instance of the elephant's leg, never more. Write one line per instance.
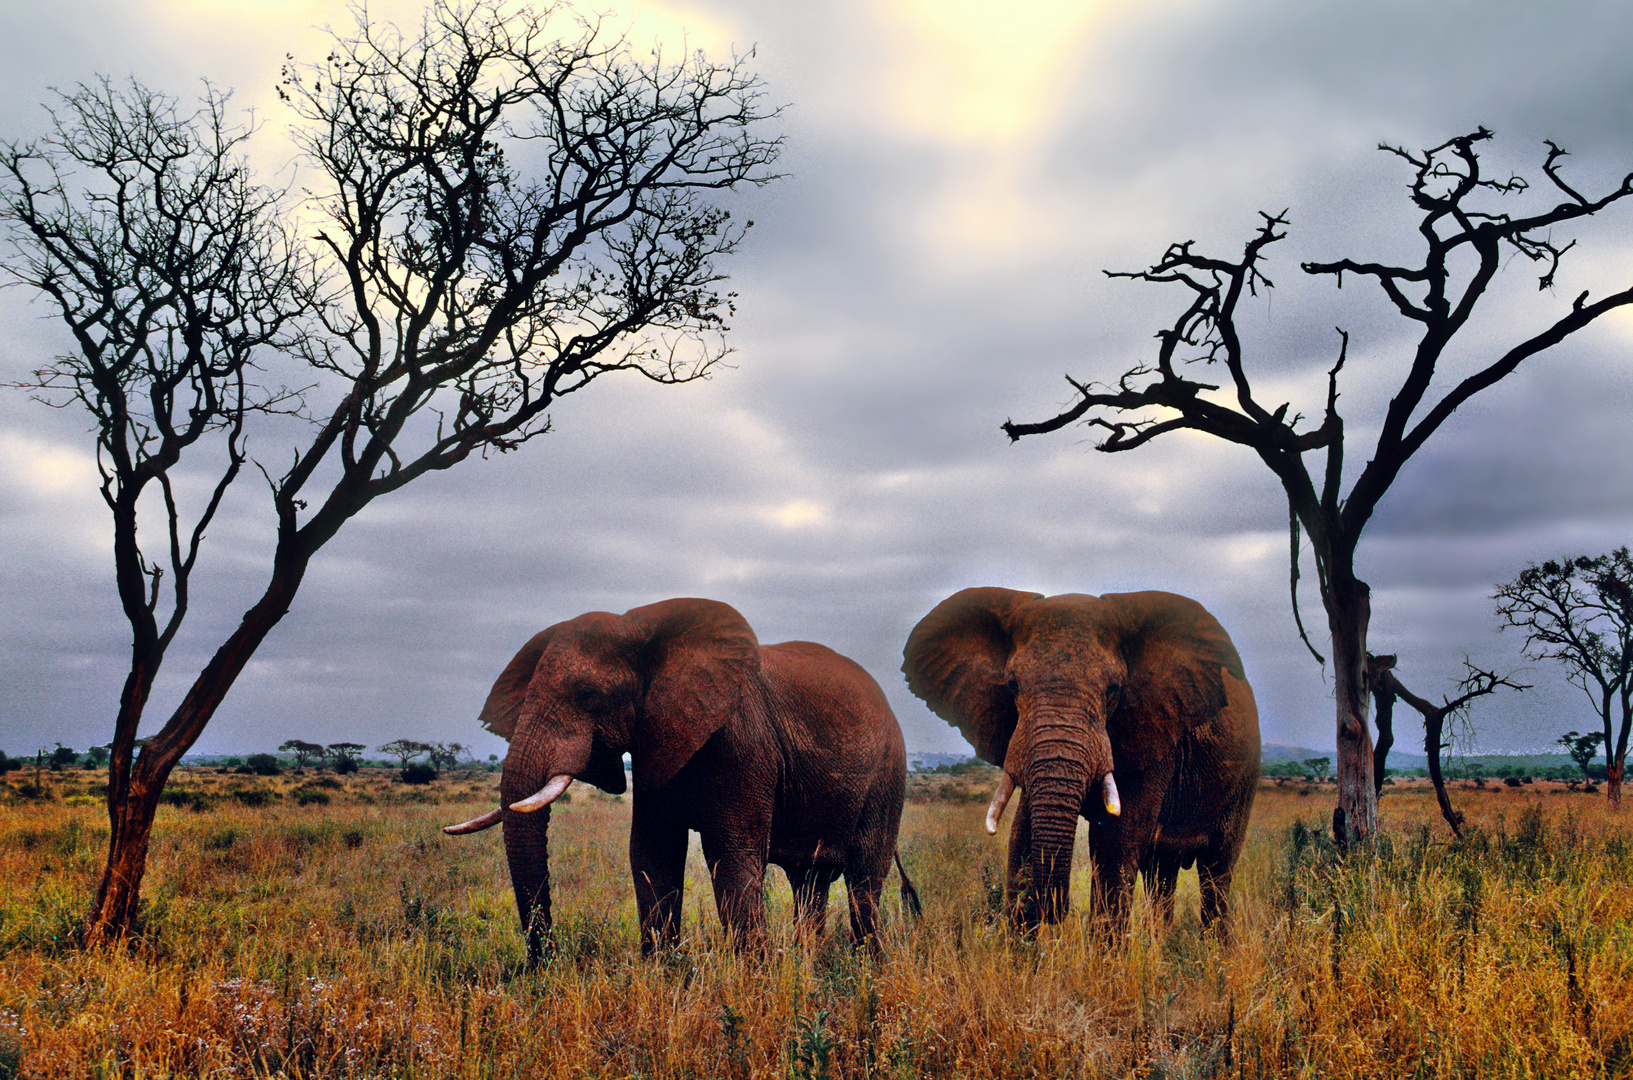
(1214, 870)
(739, 889)
(657, 858)
(1161, 877)
(811, 885)
(864, 883)
(1115, 867)
(1019, 897)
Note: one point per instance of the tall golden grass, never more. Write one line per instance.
(352, 939)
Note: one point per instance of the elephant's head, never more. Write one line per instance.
(1066, 692)
(655, 683)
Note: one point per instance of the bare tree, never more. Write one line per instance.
(505, 216)
(1464, 239)
(445, 755)
(1579, 612)
(1386, 687)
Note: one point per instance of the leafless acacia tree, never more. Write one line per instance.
(1464, 236)
(1579, 612)
(1386, 687)
(504, 215)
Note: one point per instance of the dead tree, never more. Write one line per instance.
(1579, 611)
(502, 217)
(1464, 237)
(1386, 687)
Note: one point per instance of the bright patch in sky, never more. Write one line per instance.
(978, 72)
(45, 469)
(799, 513)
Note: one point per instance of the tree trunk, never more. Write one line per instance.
(133, 803)
(1613, 782)
(1349, 609)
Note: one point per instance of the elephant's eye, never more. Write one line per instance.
(586, 696)
(1114, 691)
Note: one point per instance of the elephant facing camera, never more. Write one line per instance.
(1129, 710)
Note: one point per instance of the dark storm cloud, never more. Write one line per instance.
(845, 471)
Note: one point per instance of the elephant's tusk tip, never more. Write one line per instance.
(487, 820)
(1114, 805)
(1000, 798)
(545, 795)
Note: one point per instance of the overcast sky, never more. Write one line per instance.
(959, 173)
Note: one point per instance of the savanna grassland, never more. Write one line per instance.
(332, 930)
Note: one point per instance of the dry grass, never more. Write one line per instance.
(352, 939)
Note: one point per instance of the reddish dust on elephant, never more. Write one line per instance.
(1130, 710)
(785, 755)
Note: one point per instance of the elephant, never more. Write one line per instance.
(785, 754)
(1129, 709)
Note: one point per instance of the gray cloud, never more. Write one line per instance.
(847, 472)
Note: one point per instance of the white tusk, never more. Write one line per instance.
(548, 794)
(486, 821)
(1000, 799)
(1114, 805)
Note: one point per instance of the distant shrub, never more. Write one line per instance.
(255, 796)
(307, 797)
(328, 782)
(345, 765)
(188, 797)
(1512, 781)
(263, 765)
(418, 773)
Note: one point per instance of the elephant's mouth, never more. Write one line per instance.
(546, 795)
(1006, 788)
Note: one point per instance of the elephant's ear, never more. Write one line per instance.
(1176, 653)
(504, 702)
(699, 658)
(955, 660)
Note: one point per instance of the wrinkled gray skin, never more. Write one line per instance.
(1063, 692)
(785, 754)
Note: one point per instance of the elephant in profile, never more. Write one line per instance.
(785, 754)
(1131, 710)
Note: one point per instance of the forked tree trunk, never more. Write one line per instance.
(135, 786)
(1349, 609)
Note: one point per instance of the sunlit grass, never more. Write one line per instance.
(351, 938)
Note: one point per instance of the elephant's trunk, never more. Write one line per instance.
(1052, 798)
(527, 850)
(1066, 766)
(534, 777)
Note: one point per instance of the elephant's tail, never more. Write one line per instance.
(910, 895)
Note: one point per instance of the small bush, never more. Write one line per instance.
(263, 765)
(307, 797)
(191, 799)
(418, 773)
(345, 765)
(255, 796)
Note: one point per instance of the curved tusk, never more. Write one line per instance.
(1114, 805)
(548, 794)
(486, 821)
(1000, 799)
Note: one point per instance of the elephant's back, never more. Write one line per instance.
(829, 697)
